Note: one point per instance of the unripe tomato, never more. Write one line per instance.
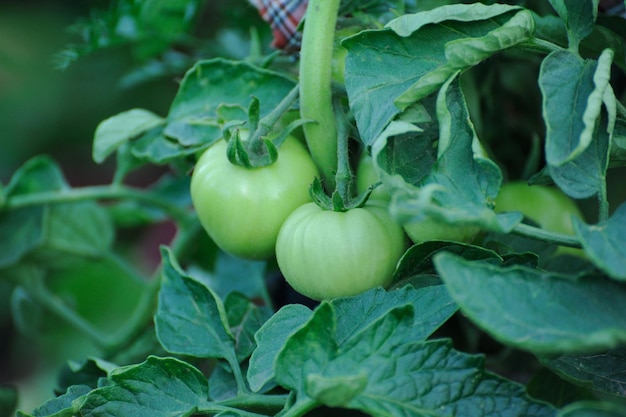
(547, 206)
(242, 209)
(429, 229)
(326, 254)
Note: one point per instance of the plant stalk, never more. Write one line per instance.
(315, 85)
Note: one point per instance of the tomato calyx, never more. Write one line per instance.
(259, 145)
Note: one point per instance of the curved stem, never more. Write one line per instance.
(315, 85)
(550, 237)
(257, 402)
(300, 408)
(99, 192)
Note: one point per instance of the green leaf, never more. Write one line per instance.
(537, 310)
(154, 147)
(418, 259)
(432, 305)
(190, 319)
(431, 379)
(245, 319)
(592, 409)
(585, 176)
(83, 229)
(579, 17)
(547, 386)
(116, 130)
(386, 72)
(210, 84)
(61, 406)
(408, 24)
(77, 229)
(38, 174)
(307, 350)
(157, 387)
(573, 92)
(460, 189)
(25, 231)
(270, 339)
(605, 243)
(232, 274)
(602, 372)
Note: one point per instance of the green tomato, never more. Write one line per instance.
(429, 229)
(326, 254)
(547, 206)
(242, 209)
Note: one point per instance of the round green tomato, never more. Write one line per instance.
(547, 206)
(429, 229)
(326, 254)
(242, 209)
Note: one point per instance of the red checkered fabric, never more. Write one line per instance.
(283, 17)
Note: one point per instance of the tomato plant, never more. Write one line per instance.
(452, 100)
(328, 254)
(223, 193)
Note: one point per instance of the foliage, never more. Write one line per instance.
(428, 94)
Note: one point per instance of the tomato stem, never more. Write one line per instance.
(344, 177)
(315, 85)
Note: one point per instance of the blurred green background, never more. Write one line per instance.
(47, 110)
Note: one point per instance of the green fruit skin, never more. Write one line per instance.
(328, 254)
(242, 209)
(547, 206)
(428, 229)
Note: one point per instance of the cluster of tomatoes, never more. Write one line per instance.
(264, 212)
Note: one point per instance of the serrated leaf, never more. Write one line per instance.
(604, 372)
(407, 24)
(190, 319)
(537, 310)
(157, 387)
(210, 84)
(270, 339)
(432, 305)
(431, 379)
(605, 243)
(573, 92)
(111, 133)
